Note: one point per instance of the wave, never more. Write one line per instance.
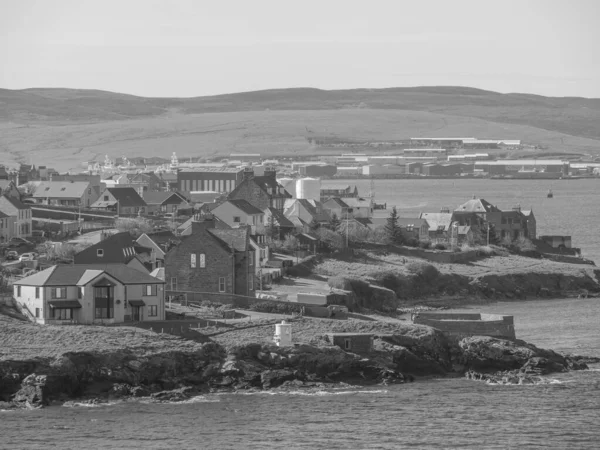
(75, 404)
(196, 399)
(541, 382)
(319, 393)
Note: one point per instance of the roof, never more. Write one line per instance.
(60, 189)
(437, 221)
(118, 248)
(463, 229)
(204, 196)
(161, 237)
(279, 218)
(137, 303)
(356, 202)
(337, 201)
(16, 203)
(265, 182)
(158, 197)
(236, 238)
(159, 273)
(244, 206)
(213, 169)
(5, 183)
(72, 275)
(415, 222)
(127, 196)
(477, 205)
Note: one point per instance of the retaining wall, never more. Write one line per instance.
(462, 324)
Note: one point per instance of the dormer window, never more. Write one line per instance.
(100, 253)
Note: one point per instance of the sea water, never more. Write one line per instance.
(561, 413)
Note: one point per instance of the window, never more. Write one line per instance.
(80, 292)
(59, 292)
(104, 302)
(250, 284)
(193, 260)
(89, 191)
(106, 198)
(153, 311)
(237, 219)
(202, 260)
(37, 313)
(221, 284)
(347, 344)
(63, 313)
(149, 290)
(174, 284)
(250, 258)
(100, 253)
(37, 292)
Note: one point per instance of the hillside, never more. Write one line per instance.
(65, 127)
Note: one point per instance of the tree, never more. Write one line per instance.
(334, 223)
(314, 225)
(136, 226)
(392, 229)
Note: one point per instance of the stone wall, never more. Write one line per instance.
(469, 324)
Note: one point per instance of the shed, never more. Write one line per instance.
(352, 342)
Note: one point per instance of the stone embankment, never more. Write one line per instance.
(178, 375)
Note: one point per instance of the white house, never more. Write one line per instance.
(91, 294)
(239, 212)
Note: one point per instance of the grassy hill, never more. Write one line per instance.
(64, 127)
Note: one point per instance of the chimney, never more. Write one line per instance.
(517, 208)
(270, 172)
(248, 173)
(445, 210)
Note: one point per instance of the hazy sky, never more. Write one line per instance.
(197, 47)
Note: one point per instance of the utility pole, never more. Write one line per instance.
(347, 227)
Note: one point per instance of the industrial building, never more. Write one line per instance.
(223, 179)
(421, 152)
(514, 166)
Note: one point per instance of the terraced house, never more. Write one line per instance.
(91, 294)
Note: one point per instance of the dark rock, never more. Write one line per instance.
(175, 395)
(541, 366)
(273, 378)
(33, 392)
(119, 390)
(139, 391)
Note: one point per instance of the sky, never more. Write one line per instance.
(185, 48)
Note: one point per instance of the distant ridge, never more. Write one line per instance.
(571, 115)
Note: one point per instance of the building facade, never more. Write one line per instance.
(218, 179)
(21, 213)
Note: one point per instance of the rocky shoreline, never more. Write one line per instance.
(97, 377)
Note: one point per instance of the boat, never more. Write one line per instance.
(550, 194)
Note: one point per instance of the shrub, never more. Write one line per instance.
(299, 270)
(276, 308)
(412, 242)
(427, 272)
(524, 245)
(338, 282)
(425, 244)
(440, 246)
(356, 285)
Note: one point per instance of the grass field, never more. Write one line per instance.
(64, 128)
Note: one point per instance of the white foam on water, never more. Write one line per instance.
(310, 393)
(71, 404)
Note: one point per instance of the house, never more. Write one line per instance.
(261, 254)
(352, 206)
(438, 224)
(7, 227)
(123, 201)
(276, 224)
(412, 228)
(159, 242)
(91, 294)
(160, 202)
(239, 212)
(119, 248)
(7, 187)
(308, 242)
(94, 181)
(307, 210)
(62, 193)
(21, 213)
(261, 192)
(148, 181)
(212, 260)
(335, 191)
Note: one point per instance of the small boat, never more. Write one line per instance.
(550, 194)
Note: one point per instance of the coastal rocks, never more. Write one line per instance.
(505, 378)
(273, 378)
(175, 395)
(33, 392)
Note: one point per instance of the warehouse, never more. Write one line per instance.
(224, 179)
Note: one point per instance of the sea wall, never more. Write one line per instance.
(469, 324)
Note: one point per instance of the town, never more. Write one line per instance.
(123, 243)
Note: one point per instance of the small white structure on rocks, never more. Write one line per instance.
(283, 334)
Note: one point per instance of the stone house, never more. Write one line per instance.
(124, 201)
(276, 224)
(261, 192)
(208, 259)
(91, 294)
(306, 210)
(22, 216)
(413, 228)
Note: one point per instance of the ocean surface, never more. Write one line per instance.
(573, 210)
(562, 413)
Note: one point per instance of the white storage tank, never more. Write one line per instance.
(308, 188)
(289, 184)
(283, 334)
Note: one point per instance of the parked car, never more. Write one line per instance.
(31, 256)
(18, 242)
(169, 216)
(12, 255)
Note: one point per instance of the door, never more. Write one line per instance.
(135, 313)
